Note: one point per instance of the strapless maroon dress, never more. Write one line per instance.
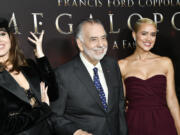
(147, 112)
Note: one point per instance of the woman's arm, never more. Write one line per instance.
(43, 67)
(171, 97)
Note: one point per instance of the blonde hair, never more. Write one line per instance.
(141, 21)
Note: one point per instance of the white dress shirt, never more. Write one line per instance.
(90, 67)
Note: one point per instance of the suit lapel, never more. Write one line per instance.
(107, 75)
(9, 84)
(83, 75)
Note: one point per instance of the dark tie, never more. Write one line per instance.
(100, 88)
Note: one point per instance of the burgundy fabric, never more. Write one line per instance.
(147, 112)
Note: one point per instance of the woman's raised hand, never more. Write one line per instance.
(38, 43)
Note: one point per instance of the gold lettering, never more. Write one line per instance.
(128, 44)
(116, 3)
(123, 3)
(88, 3)
(139, 3)
(59, 2)
(129, 19)
(149, 3)
(109, 3)
(66, 3)
(81, 2)
(156, 16)
(98, 3)
(115, 46)
(13, 20)
(173, 23)
(155, 3)
(70, 25)
(74, 4)
(111, 25)
(130, 3)
(36, 22)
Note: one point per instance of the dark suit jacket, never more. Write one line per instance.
(16, 113)
(79, 105)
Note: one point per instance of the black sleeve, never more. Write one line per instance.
(47, 75)
(15, 123)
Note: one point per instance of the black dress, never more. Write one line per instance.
(17, 116)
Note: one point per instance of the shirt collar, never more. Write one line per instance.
(90, 65)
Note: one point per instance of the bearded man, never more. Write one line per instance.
(91, 97)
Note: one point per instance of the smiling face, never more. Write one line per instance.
(93, 44)
(145, 36)
(5, 45)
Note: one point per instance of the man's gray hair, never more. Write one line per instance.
(79, 33)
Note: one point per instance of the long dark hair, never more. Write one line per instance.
(16, 57)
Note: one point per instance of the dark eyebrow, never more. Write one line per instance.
(2, 31)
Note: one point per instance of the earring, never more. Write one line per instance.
(135, 39)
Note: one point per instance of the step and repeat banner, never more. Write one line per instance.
(59, 19)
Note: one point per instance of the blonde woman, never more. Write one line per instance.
(148, 79)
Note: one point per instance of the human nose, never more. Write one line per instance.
(100, 43)
(149, 37)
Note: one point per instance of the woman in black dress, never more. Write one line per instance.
(24, 104)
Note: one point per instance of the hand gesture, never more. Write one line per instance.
(38, 43)
(44, 95)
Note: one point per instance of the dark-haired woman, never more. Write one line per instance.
(24, 104)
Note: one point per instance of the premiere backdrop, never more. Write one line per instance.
(59, 19)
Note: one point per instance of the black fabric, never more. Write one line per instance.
(16, 113)
(4, 25)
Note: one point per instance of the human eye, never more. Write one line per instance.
(104, 37)
(2, 33)
(93, 39)
(153, 34)
(144, 33)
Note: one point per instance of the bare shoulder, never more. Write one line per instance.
(122, 62)
(166, 61)
(162, 59)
